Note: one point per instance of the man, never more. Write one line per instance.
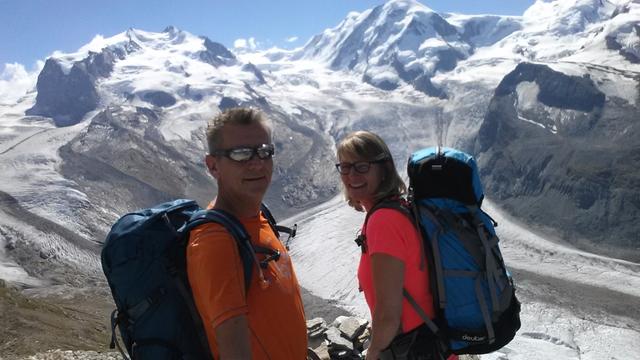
(267, 320)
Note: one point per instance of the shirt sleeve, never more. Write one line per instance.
(215, 274)
(387, 232)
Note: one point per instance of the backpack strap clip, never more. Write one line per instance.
(361, 241)
(136, 311)
(117, 318)
(291, 231)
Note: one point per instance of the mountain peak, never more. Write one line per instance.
(405, 5)
(392, 44)
(564, 17)
(171, 29)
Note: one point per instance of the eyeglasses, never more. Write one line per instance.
(242, 154)
(361, 167)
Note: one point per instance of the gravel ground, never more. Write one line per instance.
(74, 355)
(37, 324)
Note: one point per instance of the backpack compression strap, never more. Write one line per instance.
(441, 342)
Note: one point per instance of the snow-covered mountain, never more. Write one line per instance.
(404, 42)
(547, 101)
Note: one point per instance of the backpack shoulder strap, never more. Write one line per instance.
(396, 204)
(361, 239)
(274, 225)
(234, 227)
(277, 229)
(243, 241)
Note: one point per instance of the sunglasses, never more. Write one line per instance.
(361, 167)
(245, 153)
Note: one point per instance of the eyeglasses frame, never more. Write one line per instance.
(353, 165)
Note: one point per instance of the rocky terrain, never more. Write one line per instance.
(36, 323)
(562, 174)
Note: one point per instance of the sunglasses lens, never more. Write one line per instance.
(265, 152)
(242, 154)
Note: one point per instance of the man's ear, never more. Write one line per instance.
(212, 165)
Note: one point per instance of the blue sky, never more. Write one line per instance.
(30, 30)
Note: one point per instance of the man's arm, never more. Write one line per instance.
(234, 339)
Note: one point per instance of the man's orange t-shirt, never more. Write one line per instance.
(275, 314)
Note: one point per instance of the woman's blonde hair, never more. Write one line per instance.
(368, 146)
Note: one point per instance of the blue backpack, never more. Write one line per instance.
(477, 311)
(144, 261)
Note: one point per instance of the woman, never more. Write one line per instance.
(392, 256)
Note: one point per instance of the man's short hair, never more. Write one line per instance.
(232, 116)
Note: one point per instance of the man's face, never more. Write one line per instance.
(242, 181)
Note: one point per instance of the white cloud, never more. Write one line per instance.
(240, 44)
(291, 39)
(247, 44)
(16, 81)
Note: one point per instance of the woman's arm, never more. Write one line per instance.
(388, 279)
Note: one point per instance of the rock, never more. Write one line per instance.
(158, 98)
(216, 54)
(255, 71)
(316, 336)
(317, 332)
(227, 103)
(337, 342)
(314, 324)
(352, 327)
(336, 323)
(567, 167)
(315, 341)
(65, 97)
(322, 352)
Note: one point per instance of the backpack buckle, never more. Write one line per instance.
(273, 257)
(361, 241)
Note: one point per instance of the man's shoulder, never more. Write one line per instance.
(208, 232)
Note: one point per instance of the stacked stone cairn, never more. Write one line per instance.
(346, 338)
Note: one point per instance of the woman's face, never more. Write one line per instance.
(360, 183)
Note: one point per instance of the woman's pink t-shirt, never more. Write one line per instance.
(390, 232)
